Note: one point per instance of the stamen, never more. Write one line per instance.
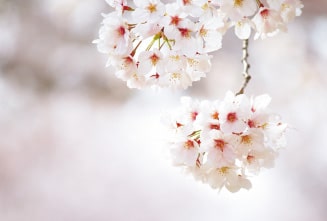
(246, 139)
(215, 115)
(238, 3)
(152, 8)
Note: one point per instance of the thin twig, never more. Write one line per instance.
(246, 66)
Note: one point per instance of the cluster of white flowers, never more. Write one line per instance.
(222, 143)
(150, 43)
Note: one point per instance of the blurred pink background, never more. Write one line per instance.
(77, 144)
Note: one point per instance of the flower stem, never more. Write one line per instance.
(154, 39)
(246, 66)
(259, 3)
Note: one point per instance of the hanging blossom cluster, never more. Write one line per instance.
(152, 44)
(223, 143)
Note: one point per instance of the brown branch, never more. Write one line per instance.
(246, 66)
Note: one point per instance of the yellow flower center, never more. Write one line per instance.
(246, 139)
(175, 76)
(192, 62)
(223, 170)
(215, 115)
(238, 3)
(174, 57)
(152, 8)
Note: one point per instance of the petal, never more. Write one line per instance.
(242, 30)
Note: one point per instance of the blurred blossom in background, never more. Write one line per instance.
(77, 144)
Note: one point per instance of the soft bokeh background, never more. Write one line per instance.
(77, 144)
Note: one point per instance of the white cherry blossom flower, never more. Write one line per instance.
(174, 15)
(178, 79)
(190, 109)
(256, 160)
(179, 127)
(208, 32)
(176, 74)
(183, 37)
(209, 10)
(126, 67)
(150, 60)
(275, 132)
(228, 177)
(136, 80)
(238, 9)
(185, 152)
(198, 65)
(114, 36)
(233, 113)
(289, 9)
(148, 10)
(219, 148)
(252, 139)
(260, 114)
(174, 60)
(268, 23)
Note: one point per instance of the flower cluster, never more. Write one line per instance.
(150, 43)
(222, 143)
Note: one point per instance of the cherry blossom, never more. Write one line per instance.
(268, 22)
(238, 9)
(189, 29)
(114, 37)
(219, 148)
(148, 10)
(185, 152)
(233, 113)
(288, 9)
(225, 157)
(228, 177)
(209, 33)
